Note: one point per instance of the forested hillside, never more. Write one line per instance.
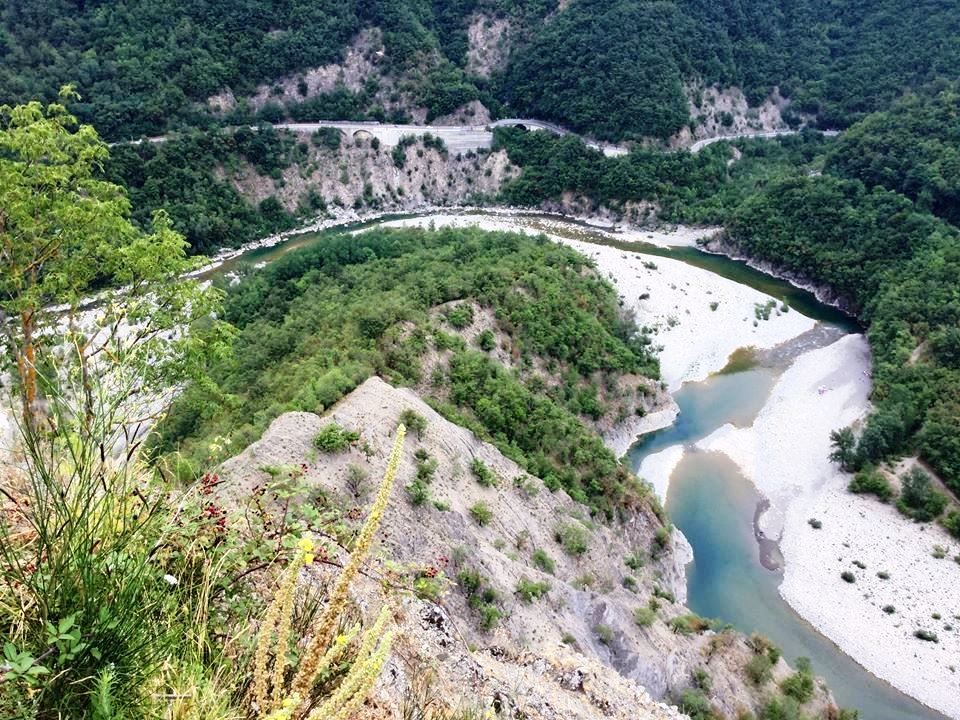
(314, 325)
(615, 70)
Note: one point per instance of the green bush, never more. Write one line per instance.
(543, 561)
(332, 438)
(644, 616)
(848, 576)
(695, 704)
(604, 633)
(951, 522)
(528, 590)
(490, 616)
(573, 537)
(486, 341)
(759, 669)
(481, 513)
(782, 708)
(689, 624)
(918, 498)
(635, 560)
(799, 686)
(415, 422)
(484, 475)
(460, 316)
(469, 580)
(872, 481)
(926, 635)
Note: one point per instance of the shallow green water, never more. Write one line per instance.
(714, 506)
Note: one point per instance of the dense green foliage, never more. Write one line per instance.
(913, 148)
(321, 320)
(615, 69)
(180, 176)
(702, 187)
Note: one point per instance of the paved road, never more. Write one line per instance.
(466, 138)
(458, 138)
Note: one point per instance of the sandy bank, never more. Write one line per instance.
(785, 454)
(698, 318)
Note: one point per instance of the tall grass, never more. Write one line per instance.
(122, 597)
(83, 606)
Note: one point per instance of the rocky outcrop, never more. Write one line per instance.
(577, 650)
(361, 173)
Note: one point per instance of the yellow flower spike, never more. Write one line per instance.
(363, 672)
(286, 598)
(338, 595)
(305, 544)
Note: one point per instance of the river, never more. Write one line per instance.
(709, 500)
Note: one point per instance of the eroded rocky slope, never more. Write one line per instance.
(600, 635)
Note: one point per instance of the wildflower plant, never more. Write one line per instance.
(270, 697)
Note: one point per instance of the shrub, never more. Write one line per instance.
(527, 485)
(460, 316)
(630, 583)
(644, 616)
(952, 523)
(484, 475)
(486, 341)
(663, 593)
(356, 481)
(883, 575)
(695, 705)
(489, 616)
(871, 481)
(414, 421)
(332, 438)
(528, 590)
(573, 537)
(760, 669)
(701, 679)
(604, 633)
(785, 708)
(889, 609)
(814, 523)
(848, 576)
(926, 635)
(481, 513)
(918, 498)
(418, 492)
(799, 686)
(543, 561)
(689, 624)
(661, 538)
(635, 560)
(469, 580)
